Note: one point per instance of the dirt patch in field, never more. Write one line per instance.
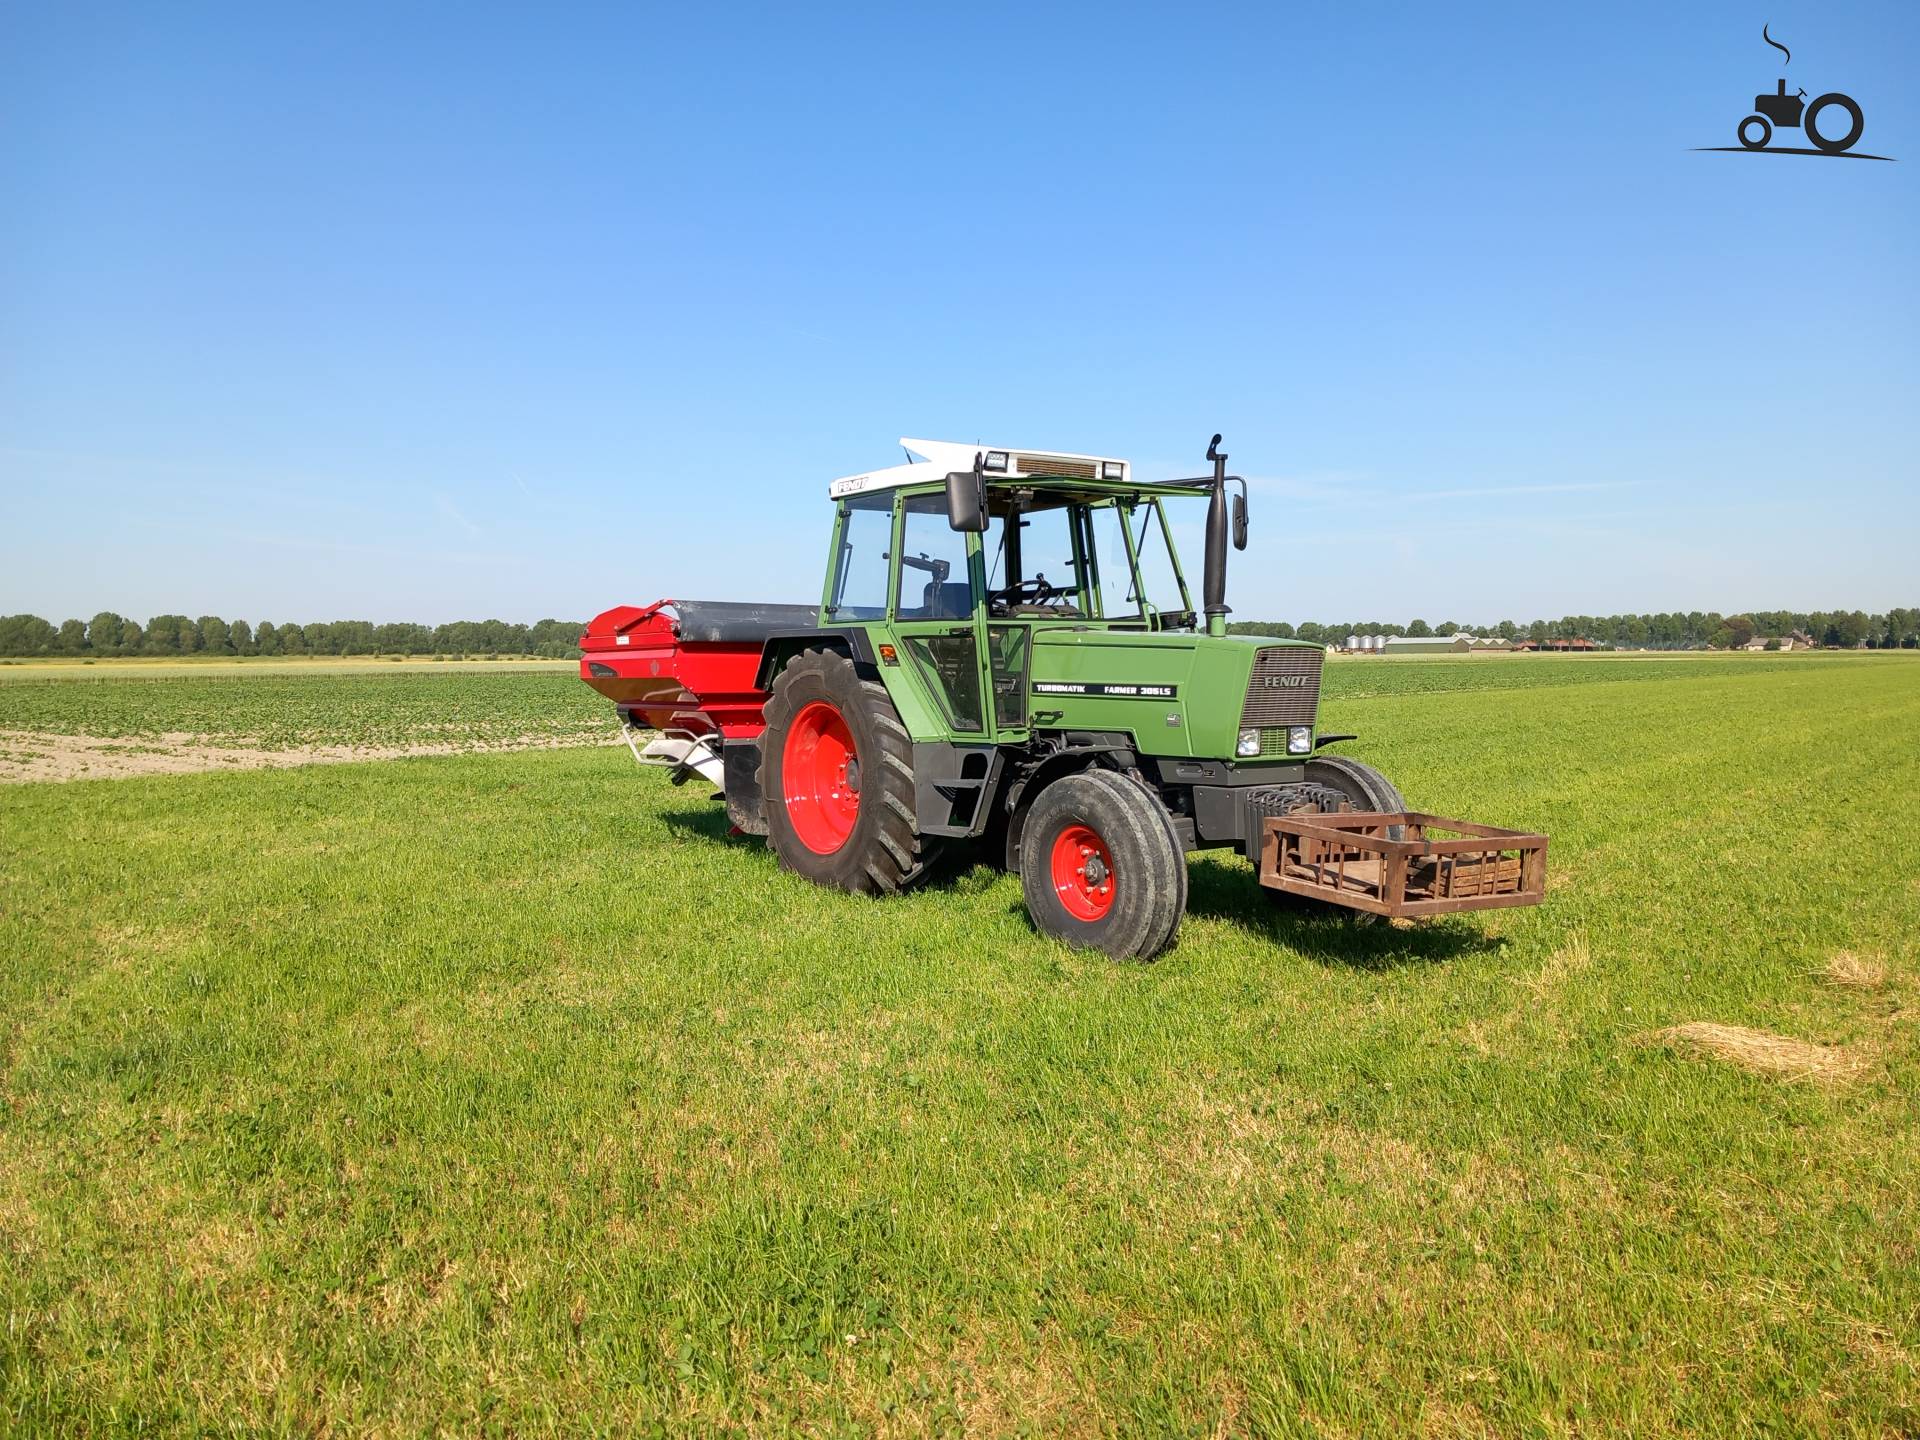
(33, 755)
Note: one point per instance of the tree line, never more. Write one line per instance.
(108, 634)
(1671, 630)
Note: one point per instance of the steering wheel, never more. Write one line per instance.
(1024, 592)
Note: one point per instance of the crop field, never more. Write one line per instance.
(74, 722)
(503, 1092)
(288, 705)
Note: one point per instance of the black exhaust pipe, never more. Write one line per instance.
(1213, 590)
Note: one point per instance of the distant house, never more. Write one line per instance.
(1429, 645)
(1577, 643)
(1796, 640)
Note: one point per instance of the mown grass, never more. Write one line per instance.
(507, 1094)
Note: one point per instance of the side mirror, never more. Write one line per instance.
(967, 499)
(1239, 522)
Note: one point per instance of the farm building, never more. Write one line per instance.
(1456, 644)
(1578, 643)
(1798, 640)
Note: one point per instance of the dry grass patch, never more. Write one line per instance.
(1572, 958)
(1761, 1053)
(1855, 972)
(1875, 1345)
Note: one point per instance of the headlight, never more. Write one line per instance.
(1299, 739)
(1113, 470)
(1249, 743)
(996, 461)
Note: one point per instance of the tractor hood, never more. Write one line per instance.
(1176, 694)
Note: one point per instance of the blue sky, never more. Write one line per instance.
(428, 312)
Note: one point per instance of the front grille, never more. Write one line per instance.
(1284, 688)
(1054, 465)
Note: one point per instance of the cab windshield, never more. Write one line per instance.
(1104, 559)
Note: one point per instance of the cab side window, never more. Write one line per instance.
(934, 578)
(1157, 576)
(1112, 571)
(860, 569)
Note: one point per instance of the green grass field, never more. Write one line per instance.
(506, 1094)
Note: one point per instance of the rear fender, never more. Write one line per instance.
(783, 645)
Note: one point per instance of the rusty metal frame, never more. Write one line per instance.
(1348, 859)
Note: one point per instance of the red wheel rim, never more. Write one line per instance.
(1083, 873)
(820, 775)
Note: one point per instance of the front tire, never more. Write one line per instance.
(1363, 785)
(836, 769)
(1761, 136)
(1101, 868)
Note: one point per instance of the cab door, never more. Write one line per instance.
(937, 613)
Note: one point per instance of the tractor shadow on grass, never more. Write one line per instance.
(957, 866)
(1325, 933)
(708, 823)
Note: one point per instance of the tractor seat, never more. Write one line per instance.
(951, 601)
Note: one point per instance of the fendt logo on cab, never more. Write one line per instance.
(1285, 682)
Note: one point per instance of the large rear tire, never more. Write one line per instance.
(1101, 867)
(836, 768)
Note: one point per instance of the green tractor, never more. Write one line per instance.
(1005, 656)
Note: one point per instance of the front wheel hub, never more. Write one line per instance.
(1082, 873)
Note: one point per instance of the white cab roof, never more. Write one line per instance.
(942, 457)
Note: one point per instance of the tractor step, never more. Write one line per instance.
(1353, 859)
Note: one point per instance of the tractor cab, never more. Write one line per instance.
(973, 557)
(1056, 542)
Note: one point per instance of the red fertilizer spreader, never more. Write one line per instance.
(689, 670)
